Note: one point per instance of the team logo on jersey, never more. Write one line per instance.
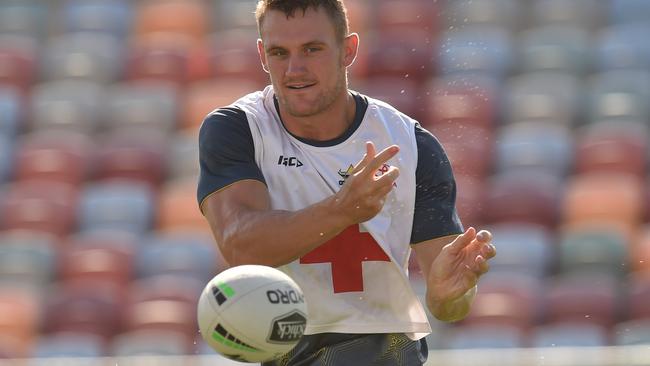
(289, 161)
(344, 174)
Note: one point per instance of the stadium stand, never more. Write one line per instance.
(541, 105)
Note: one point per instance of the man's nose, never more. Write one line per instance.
(296, 65)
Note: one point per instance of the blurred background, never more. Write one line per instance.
(542, 106)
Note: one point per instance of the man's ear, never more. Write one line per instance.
(350, 49)
(260, 51)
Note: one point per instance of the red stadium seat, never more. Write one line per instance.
(530, 197)
(57, 156)
(233, 54)
(40, 205)
(18, 61)
(396, 15)
(159, 56)
(612, 146)
(178, 208)
(403, 53)
(138, 157)
(470, 200)
(603, 197)
(470, 148)
(186, 17)
(19, 322)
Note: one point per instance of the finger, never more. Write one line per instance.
(380, 159)
(484, 236)
(488, 251)
(482, 265)
(462, 240)
(367, 158)
(389, 177)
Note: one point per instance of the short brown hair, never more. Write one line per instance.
(335, 10)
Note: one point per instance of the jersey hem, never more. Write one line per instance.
(221, 189)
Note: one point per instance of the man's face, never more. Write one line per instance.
(305, 62)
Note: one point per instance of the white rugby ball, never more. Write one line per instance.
(252, 313)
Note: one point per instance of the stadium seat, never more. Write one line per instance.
(69, 344)
(638, 296)
(523, 249)
(640, 251)
(616, 199)
(24, 17)
(138, 156)
(205, 96)
(18, 61)
(39, 205)
(535, 146)
(183, 158)
(97, 262)
(623, 46)
(159, 57)
(233, 54)
(470, 199)
(460, 99)
(401, 53)
(178, 208)
(148, 342)
(484, 336)
(509, 14)
(28, 259)
(163, 303)
(552, 48)
(70, 105)
(629, 11)
(180, 253)
(619, 95)
(542, 96)
(102, 16)
(587, 14)
(117, 205)
(393, 15)
(587, 297)
(632, 332)
(593, 248)
(85, 56)
(86, 307)
(524, 197)
(569, 335)
(56, 156)
(612, 146)
(402, 93)
(234, 15)
(470, 149)
(20, 320)
(7, 161)
(11, 110)
(185, 17)
(483, 50)
(507, 300)
(148, 106)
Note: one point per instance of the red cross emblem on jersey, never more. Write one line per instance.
(346, 253)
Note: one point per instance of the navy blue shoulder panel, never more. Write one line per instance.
(435, 195)
(226, 151)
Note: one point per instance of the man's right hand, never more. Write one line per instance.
(363, 194)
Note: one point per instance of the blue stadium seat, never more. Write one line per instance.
(553, 48)
(150, 106)
(523, 249)
(28, 259)
(623, 46)
(117, 205)
(619, 94)
(632, 332)
(234, 14)
(11, 111)
(182, 161)
(499, 13)
(6, 158)
(588, 14)
(24, 17)
(69, 105)
(481, 50)
(103, 16)
(84, 56)
(535, 146)
(569, 335)
(182, 253)
(545, 96)
(69, 344)
(593, 248)
(629, 11)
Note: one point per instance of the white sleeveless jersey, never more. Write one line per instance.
(356, 282)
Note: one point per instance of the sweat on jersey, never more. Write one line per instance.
(356, 282)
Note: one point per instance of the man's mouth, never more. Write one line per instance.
(300, 86)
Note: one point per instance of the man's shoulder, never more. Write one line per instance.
(384, 108)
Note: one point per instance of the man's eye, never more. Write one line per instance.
(277, 53)
(312, 49)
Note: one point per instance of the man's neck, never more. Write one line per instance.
(325, 126)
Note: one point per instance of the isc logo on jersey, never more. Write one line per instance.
(252, 313)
